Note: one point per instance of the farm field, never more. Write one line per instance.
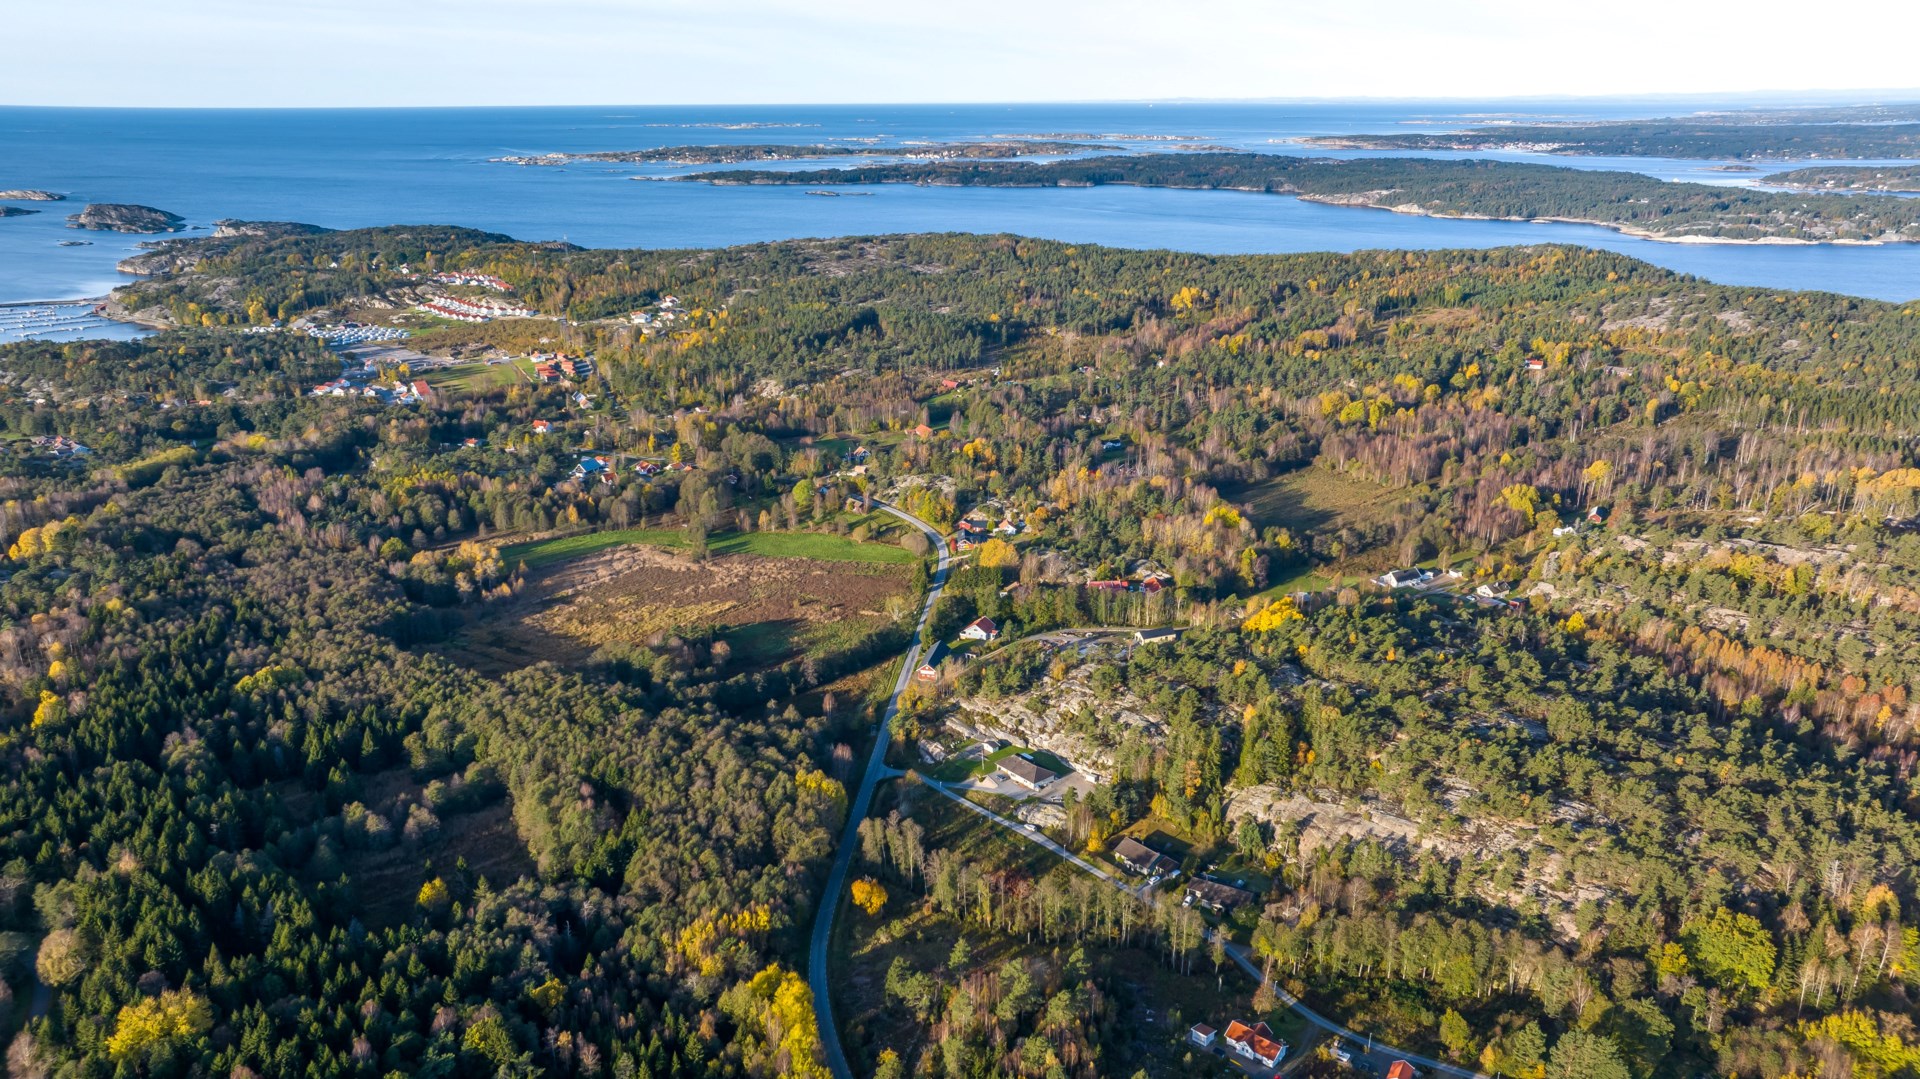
(478, 377)
(766, 609)
(815, 545)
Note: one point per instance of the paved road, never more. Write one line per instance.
(856, 812)
(1381, 1056)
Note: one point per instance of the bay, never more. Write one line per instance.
(354, 168)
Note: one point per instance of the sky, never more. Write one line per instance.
(253, 53)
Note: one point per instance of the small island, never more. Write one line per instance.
(1629, 202)
(27, 195)
(124, 217)
(16, 211)
(737, 154)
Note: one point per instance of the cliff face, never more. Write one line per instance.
(123, 217)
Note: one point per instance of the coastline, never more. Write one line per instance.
(1349, 201)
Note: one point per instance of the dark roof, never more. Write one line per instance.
(1134, 852)
(1015, 764)
(1217, 894)
(985, 624)
(935, 654)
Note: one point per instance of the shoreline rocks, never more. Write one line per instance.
(125, 217)
(28, 195)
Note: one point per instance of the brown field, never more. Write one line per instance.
(771, 609)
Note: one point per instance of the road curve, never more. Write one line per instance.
(836, 1056)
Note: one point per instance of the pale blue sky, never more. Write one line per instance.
(446, 52)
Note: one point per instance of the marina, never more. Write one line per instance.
(61, 320)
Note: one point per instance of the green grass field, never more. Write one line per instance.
(477, 377)
(816, 545)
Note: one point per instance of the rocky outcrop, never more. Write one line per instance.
(125, 217)
(15, 211)
(25, 195)
(229, 229)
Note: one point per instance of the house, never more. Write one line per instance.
(1109, 586)
(1535, 363)
(542, 427)
(1398, 578)
(1202, 1035)
(1155, 636)
(1400, 1069)
(1007, 527)
(1113, 444)
(1140, 858)
(921, 430)
(1493, 590)
(1026, 773)
(590, 467)
(471, 443)
(1340, 1053)
(546, 372)
(1597, 515)
(930, 667)
(421, 389)
(1255, 1042)
(980, 629)
(1155, 584)
(1215, 896)
(858, 455)
(949, 384)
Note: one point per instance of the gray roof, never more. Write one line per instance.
(1015, 764)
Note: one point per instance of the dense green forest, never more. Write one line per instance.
(267, 814)
(1443, 188)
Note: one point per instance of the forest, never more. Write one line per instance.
(1901, 179)
(1629, 201)
(264, 817)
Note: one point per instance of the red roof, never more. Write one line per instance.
(1400, 1069)
(1259, 1038)
(985, 625)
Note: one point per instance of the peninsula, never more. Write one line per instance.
(1711, 138)
(1900, 179)
(1500, 190)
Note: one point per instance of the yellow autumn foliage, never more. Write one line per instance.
(151, 1021)
(1273, 616)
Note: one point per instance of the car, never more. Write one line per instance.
(1153, 880)
(1029, 827)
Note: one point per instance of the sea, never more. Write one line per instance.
(361, 167)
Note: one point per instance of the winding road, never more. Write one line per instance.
(877, 770)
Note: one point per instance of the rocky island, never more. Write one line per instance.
(748, 153)
(26, 195)
(124, 217)
(15, 211)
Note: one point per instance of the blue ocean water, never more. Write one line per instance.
(351, 168)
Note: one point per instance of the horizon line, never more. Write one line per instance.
(1885, 96)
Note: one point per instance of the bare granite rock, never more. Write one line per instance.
(125, 217)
